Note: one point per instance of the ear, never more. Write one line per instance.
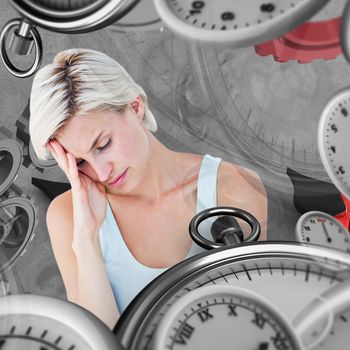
(138, 107)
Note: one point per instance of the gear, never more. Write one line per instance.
(306, 43)
(10, 159)
(17, 224)
(17, 212)
(344, 217)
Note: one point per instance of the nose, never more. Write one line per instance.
(102, 170)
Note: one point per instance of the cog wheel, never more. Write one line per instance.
(17, 225)
(17, 212)
(22, 136)
(10, 159)
(308, 42)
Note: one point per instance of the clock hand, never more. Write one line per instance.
(329, 239)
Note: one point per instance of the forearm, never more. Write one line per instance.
(94, 291)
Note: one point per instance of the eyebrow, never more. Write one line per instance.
(95, 142)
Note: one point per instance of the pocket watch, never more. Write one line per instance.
(237, 23)
(321, 228)
(333, 140)
(39, 322)
(291, 276)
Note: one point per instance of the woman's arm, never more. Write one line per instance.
(242, 188)
(82, 267)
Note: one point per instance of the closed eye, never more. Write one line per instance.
(105, 146)
(82, 161)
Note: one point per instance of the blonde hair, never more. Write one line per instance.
(79, 81)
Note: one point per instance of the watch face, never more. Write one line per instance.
(226, 314)
(292, 277)
(36, 322)
(323, 229)
(333, 140)
(235, 22)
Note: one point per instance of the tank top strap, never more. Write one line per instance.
(207, 183)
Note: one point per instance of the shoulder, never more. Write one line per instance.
(233, 178)
(242, 188)
(60, 211)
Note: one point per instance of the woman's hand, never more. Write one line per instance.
(89, 198)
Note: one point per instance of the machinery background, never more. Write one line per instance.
(231, 103)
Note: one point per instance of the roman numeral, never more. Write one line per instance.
(279, 342)
(204, 315)
(259, 320)
(185, 334)
(232, 310)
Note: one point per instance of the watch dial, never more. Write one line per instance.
(225, 313)
(321, 228)
(36, 322)
(333, 139)
(235, 22)
(34, 333)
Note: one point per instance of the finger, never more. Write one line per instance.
(73, 170)
(60, 156)
(53, 152)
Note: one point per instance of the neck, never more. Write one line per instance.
(162, 174)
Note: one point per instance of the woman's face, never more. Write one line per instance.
(110, 147)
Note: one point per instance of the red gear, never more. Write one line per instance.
(344, 217)
(310, 41)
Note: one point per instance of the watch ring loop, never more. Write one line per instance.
(5, 59)
(215, 211)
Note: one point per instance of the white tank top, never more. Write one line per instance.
(127, 275)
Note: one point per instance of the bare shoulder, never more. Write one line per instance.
(243, 188)
(60, 212)
(232, 176)
(188, 165)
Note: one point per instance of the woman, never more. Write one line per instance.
(125, 219)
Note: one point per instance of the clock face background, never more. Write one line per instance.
(231, 103)
(235, 23)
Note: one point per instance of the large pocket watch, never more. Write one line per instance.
(248, 295)
(235, 23)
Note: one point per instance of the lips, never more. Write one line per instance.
(117, 179)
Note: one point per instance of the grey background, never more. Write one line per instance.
(234, 104)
